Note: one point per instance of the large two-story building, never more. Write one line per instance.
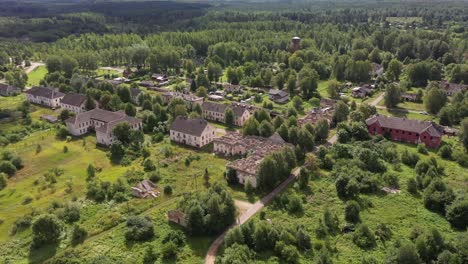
(406, 130)
(216, 112)
(45, 96)
(103, 122)
(74, 102)
(195, 132)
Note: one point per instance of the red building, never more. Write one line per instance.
(406, 130)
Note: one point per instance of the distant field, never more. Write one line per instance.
(404, 19)
(36, 76)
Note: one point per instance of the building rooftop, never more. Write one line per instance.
(74, 99)
(47, 92)
(191, 126)
(409, 125)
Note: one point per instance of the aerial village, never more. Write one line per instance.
(239, 126)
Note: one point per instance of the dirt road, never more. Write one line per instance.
(33, 66)
(211, 255)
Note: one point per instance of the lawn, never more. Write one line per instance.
(405, 114)
(11, 102)
(322, 88)
(36, 76)
(101, 72)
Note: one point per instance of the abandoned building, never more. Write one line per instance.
(195, 132)
(45, 96)
(145, 189)
(74, 102)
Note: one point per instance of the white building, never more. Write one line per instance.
(195, 132)
(45, 96)
(103, 122)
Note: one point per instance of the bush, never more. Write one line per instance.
(150, 256)
(46, 230)
(295, 205)
(3, 181)
(438, 196)
(167, 190)
(154, 177)
(383, 232)
(462, 160)
(148, 165)
(412, 186)
(139, 229)
(17, 162)
(78, 234)
(175, 236)
(363, 237)
(21, 223)
(169, 250)
(352, 212)
(62, 133)
(422, 149)
(457, 213)
(7, 167)
(445, 152)
(27, 200)
(391, 179)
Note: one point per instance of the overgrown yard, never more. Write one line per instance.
(29, 192)
(400, 212)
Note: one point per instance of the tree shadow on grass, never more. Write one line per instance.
(39, 255)
(399, 112)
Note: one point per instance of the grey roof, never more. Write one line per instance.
(238, 110)
(134, 92)
(409, 125)
(278, 92)
(191, 126)
(74, 99)
(214, 107)
(107, 127)
(96, 114)
(47, 92)
(7, 88)
(452, 87)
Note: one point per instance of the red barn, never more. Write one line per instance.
(406, 130)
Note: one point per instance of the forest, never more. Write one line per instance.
(354, 198)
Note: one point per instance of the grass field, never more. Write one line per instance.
(36, 76)
(11, 102)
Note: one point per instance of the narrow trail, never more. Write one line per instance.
(211, 255)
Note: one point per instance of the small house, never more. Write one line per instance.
(8, 90)
(278, 96)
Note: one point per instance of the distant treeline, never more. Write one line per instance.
(49, 21)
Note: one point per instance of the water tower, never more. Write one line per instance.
(296, 43)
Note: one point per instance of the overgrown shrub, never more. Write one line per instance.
(139, 229)
(363, 237)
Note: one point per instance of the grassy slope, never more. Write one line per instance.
(400, 212)
(101, 217)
